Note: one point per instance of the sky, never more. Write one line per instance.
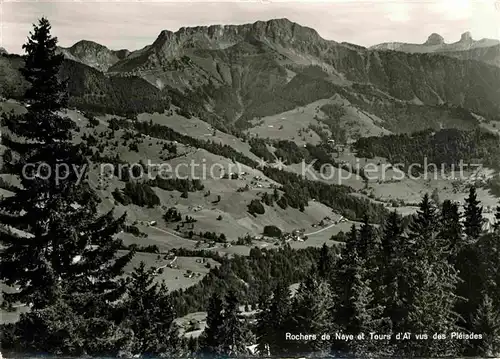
(120, 24)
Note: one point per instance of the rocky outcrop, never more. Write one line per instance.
(93, 54)
(436, 44)
(434, 39)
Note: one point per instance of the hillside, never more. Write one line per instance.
(489, 55)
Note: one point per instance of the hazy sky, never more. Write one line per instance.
(133, 25)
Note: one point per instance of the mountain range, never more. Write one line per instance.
(233, 74)
(436, 43)
(484, 50)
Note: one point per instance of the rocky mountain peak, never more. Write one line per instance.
(466, 37)
(93, 54)
(3, 51)
(83, 45)
(434, 39)
(282, 31)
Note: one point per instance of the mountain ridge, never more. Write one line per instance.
(93, 54)
(239, 73)
(436, 43)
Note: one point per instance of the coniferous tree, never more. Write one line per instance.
(469, 262)
(263, 328)
(424, 223)
(232, 335)
(342, 271)
(368, 250)
(211, 339)
(367, 247)
(350, 270)
(486, 322)
(61, 249)
(279, 318)
(149, 313)
(311, 313)
(451, 229)
(473, 216)
(364, 315)
(488, 269)
(432, 281)
(325, 262)
(392, 275)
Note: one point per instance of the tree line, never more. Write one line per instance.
(437, 275)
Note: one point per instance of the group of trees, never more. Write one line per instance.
(406, 116)
(249, 277)
(290, 152)
(138, 193)
(256, 207)
(58, 252)
(447, 147)
(436, 274)
(299, 191)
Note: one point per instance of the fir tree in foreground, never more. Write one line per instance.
(226, 332)
(486, 322)
(310, 313)
(273, 321)
(58, 252)
(149, 314)
(473, 216)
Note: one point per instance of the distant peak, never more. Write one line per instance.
(282, 20)
(434, 39)
(466, 37)
(82, 43)
(3, 51)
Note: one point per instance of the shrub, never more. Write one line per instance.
(256, 207)
(272, 231)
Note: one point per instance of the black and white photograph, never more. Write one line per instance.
(249, 179)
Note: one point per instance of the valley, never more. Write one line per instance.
(241, 156)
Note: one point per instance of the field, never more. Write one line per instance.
(175, 272)
(286, 125)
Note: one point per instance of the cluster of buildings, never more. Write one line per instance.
(297, 235)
